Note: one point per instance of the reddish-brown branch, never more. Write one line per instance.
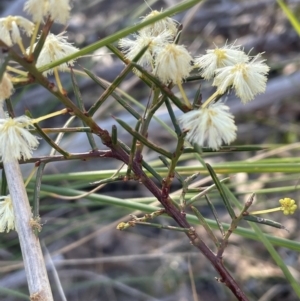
(118, 153)
(180, 218)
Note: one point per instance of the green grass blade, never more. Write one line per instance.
(292, 18)
(221, 191)
(104, 199)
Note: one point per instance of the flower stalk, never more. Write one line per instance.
(56, 113)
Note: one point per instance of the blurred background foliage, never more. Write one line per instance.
(94, 261)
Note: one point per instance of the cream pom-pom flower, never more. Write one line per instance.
(158, 27)
(15, 139)
(55, 48)
(59, 10)
(227, 55)
(173, 63)
(132, 47)
(209, 126)
(10, 29)
(6, 88)
(7, 217)
(248, 79)
(38, 9)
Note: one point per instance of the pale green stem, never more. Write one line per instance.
(33, 37)
(19, 80)
(30, 176)
(57, 78)
(210, 99)
(17, 71)
(183, 95)
(60, 112)
(265, 211)
(20, 43)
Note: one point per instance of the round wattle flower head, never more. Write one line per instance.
(209, 126)
(15, 139)
(228, 55)
(288, 206)
(158, 27)
(59, 10)
(173, 63)
(9, 29)
(56, 47)
(132, 47)
(38, 9)
(248, 79)
(6, 88)
(7, 217)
